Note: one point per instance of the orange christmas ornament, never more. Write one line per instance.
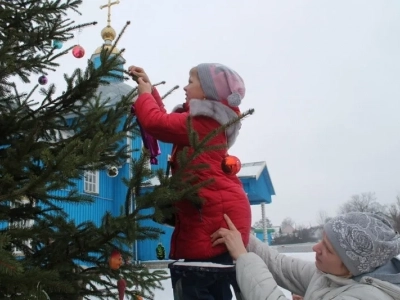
(231, 165)
(115, 260)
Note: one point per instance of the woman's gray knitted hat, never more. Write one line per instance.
(221, 83)
(363, 241)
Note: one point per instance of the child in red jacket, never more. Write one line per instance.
(213, 95)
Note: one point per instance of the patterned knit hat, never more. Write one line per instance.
(363, 241)
(221, 83)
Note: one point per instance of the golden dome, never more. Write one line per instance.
(108, 33)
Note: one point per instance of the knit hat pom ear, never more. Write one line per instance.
(234, 99)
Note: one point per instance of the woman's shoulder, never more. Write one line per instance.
(362, 291)
(337, 288)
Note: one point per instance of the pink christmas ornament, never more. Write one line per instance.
(78, 51)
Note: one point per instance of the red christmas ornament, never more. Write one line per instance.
(78, 51)
(115, 260)
(231, 165)
(121, 286)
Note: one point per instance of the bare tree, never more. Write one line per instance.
(287, 222)
(365, 202)
(259, 224)
(323, 218)
(394, 214)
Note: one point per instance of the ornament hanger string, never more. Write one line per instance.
(79, 29)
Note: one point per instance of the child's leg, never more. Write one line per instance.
(203, 286)
(195, 286)
(221, 289)
(176, 285)
(191, 285)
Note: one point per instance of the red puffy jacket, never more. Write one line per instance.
(193, 227)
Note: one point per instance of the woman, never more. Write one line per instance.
(356, 260)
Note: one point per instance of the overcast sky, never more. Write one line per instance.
(323, 77)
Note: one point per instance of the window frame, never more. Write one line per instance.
(91, 186)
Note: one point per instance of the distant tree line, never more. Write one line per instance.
(368, 202)
(300, 235)
(364, 202)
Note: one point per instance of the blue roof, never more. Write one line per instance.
(114, 91)
(257, 182)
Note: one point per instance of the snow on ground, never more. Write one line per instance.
(167, 293)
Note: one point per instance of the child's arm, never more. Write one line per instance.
(158, 99)
(169, 128)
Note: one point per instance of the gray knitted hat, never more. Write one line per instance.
(363, 241)
(221, 83)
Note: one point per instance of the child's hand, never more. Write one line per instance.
(231, 238)
(139, 73)
(144, 87)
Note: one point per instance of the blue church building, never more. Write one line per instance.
(108, 191)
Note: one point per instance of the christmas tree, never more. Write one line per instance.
(47, 144)
(42, 151)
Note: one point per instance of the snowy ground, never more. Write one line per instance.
(167, 294)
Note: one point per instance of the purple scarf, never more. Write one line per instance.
(149, 142)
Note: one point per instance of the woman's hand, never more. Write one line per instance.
(143, 87)
(139, 73)
(231, 237)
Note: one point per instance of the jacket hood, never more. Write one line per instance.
(389, 272)
(217, 111)
(389, 288)
(386, 277)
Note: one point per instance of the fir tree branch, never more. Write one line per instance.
(170, 92)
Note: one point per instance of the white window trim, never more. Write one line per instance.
(94, 186)
(21, 224)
